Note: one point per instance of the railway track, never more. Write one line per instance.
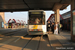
(30, 41)
(37, 43)
(27, 42)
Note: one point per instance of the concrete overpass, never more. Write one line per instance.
(25, 5)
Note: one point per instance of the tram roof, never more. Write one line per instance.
(26, 5)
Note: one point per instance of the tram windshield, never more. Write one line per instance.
(36, 19)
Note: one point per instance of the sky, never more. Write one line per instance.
(23, 15)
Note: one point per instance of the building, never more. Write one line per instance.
(2, 21)
(52, 18)
(66, 22)
(12, 23)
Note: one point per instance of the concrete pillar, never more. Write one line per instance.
(2, 19)
(72, 20)
(57, 19)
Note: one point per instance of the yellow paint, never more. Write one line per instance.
(35, 26)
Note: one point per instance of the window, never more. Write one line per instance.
(2, 24)
(36, 19)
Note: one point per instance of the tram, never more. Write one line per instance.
(36, 22)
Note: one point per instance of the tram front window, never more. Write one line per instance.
(36, 20)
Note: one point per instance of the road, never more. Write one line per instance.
(19, 40)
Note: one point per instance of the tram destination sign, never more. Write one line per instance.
(35, 12)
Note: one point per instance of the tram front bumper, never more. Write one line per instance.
(36, 33)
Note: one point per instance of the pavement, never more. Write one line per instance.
(61, 41)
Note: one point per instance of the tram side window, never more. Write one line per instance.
(43, 19)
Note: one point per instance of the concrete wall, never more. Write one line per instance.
(2, 19)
